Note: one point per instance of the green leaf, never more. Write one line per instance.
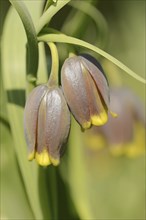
(85, 11)
(14, 201)
(32, 44)
(49, 13)
(13, 69)
(12, 185)
(61, 38)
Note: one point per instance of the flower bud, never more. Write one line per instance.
(46, 124)
(86, 90)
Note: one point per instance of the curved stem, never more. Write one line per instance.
(53, 79)
(49, 13)
(61, 38)
(90, 10)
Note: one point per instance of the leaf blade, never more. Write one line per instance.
(13, 72)
(61, 38)
(32, 53)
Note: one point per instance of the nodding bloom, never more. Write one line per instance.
(86, 90)
(46, 124)
(126, 133)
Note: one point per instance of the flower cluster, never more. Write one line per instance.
(84, 92)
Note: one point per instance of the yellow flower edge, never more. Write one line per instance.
(100, 119)
(86, 125)
(43, 158)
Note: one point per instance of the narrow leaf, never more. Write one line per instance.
(13, 72)
(61, 38)
(32, 50)
(50, 12)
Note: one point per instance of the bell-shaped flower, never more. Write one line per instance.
(46, 124)
(86, 90)
(124, 135)
(130, 111)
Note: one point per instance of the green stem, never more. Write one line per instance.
(48, 3)
(49, 13)
(88, 9)
(53, 79)
(54, 193)
(61, 38)
(52, 180)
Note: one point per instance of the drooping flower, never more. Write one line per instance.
(86, 90)
(124, 135)
(46, 124)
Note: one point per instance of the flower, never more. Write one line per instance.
(46, 124)
(126, 134)
(86, 90)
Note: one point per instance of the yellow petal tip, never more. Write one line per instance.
(43, 158)
(31, 155)
(54, 161)
(100, 119)
(114, 114)
(86, 125)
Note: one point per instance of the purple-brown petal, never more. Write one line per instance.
(99, 79)
(75, 92)
(97, 107)
(57, 123)
(41, 126)
(31, 114)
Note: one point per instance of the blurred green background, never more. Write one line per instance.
(87, 185)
